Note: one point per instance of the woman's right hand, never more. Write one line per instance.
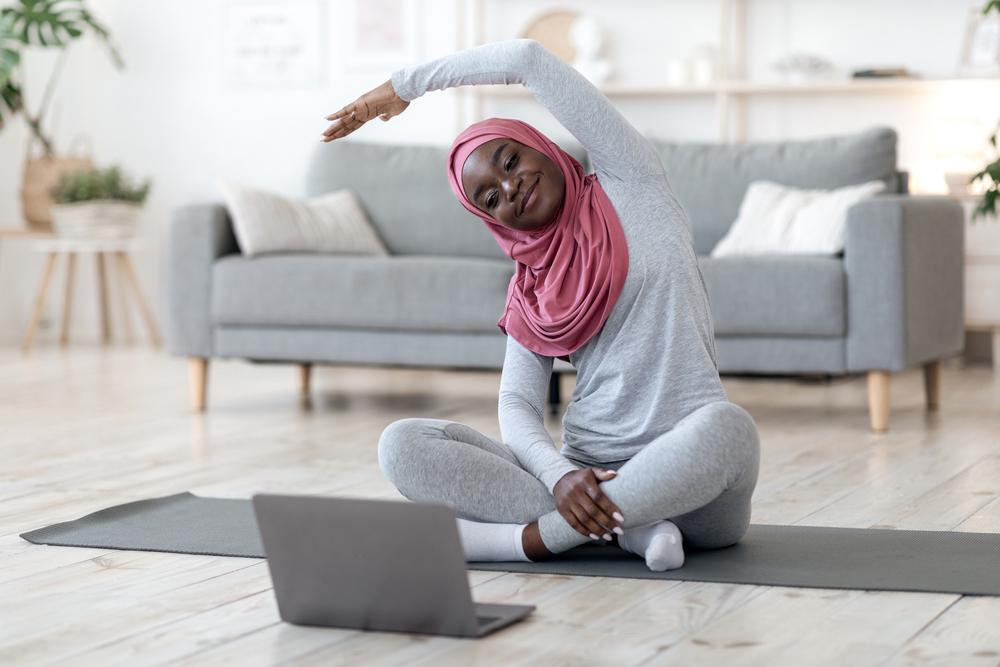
(382, 102)
(582, 503)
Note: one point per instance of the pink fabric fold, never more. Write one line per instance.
(568, 274)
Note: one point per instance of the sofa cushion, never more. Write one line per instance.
(710, 179)
(794, 295)
(414, 293)
(404, 190)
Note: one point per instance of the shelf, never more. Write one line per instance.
(761, 88)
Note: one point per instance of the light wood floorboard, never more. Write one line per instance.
(86, 427)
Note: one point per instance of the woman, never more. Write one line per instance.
(653, 454)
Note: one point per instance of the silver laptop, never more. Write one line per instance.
(373, 565)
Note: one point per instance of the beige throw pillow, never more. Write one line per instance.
(265, 222)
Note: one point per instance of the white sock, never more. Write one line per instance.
(660, 542)
(491, 541)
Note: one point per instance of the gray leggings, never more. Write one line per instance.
(700, 475)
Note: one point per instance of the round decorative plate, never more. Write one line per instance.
(552, 30)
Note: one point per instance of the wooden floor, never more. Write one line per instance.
(85, 427)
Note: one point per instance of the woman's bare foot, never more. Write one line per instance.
(531, 540)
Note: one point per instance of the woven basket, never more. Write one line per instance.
(41, 174)
(98, 219)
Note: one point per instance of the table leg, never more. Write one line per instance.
(29, 335)
(68, 297)
(123, 303)
(147, 315)
(102, 297)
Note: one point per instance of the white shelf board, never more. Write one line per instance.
(761, 88)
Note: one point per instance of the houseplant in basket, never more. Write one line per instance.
(47, 24)
(97, 203)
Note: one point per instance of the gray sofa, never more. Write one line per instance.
(891, 301)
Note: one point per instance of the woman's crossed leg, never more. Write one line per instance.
(700, 475)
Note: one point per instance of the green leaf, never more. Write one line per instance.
(993, 169)
(987, 205)
(104, 35)
(46, 22)
(10, 54)
(11, 101)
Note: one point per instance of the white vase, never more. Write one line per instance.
(587, 38)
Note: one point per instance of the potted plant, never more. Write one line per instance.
(50, 24)
(990, 174)
(97, 203)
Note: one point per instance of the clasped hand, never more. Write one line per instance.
(582, 503)
(382, 102)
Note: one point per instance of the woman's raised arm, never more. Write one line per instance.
(615, 147)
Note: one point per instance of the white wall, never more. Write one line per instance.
(171, 115)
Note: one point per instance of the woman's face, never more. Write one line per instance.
(502, 176)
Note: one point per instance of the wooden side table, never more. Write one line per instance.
(104, 251)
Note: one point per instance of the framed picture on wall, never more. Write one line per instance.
(981, 45)
(380, 34)
(272, 42)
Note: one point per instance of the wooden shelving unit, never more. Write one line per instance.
(730, 93)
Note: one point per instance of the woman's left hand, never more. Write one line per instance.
(382, 102)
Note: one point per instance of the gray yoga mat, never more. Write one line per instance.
(772, 555)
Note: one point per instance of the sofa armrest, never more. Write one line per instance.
(904, 258)
(199, 234)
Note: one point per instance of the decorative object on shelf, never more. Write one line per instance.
(678, 72)
(802, 67)
(883, 73)
(273, 43)
(552, 29)
(587, 37)
(97, 204)
(981, 44)
(704, 61)
(49, 24)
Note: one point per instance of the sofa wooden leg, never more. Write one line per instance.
(878, 400)
(198, 375)
(305, 375)
(932, 383)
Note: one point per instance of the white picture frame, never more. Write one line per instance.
(380, 34)
(273, 43)
(980, 55)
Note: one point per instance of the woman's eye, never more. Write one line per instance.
(511, 161)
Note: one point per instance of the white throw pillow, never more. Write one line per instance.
(265, 222)
(776, 218)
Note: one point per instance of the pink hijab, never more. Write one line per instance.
(569, 273)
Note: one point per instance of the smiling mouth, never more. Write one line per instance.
(527, 196)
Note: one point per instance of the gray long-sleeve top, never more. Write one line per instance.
(654, 361)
